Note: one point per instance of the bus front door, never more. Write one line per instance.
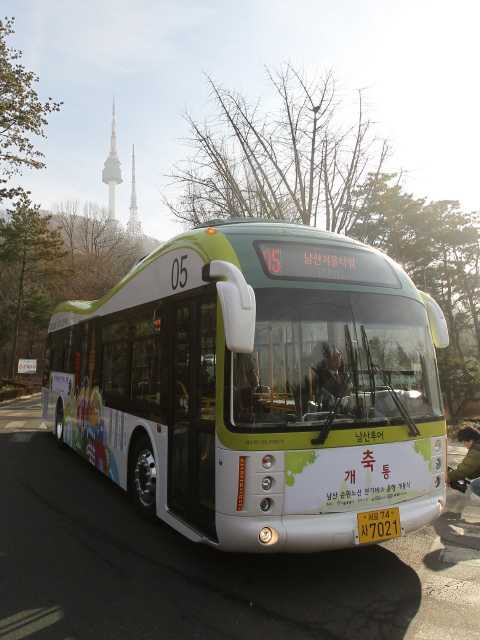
(192, 414)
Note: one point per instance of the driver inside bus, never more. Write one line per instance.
(251, 402)
(330, 375)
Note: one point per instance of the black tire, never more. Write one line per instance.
(143, 478)
(59, 426)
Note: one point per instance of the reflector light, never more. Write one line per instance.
(267, 461)
(265, 504)
(210, 231)
(241, 482)
(267, 483)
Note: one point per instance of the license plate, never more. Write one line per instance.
(383, 524)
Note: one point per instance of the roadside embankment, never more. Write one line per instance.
(10, 389)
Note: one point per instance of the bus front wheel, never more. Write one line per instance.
(143, 478)
(59, 426)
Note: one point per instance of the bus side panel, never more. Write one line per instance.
(102, 435)
(98, 434)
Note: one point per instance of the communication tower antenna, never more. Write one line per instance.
(112, 173)
(134, 227)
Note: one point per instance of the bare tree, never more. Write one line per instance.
(100, 250)
(66, 213)
(296, 161)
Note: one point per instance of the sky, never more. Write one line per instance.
(418, 59)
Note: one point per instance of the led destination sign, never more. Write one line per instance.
(327, 263)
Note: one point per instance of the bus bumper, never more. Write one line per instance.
(312, 533)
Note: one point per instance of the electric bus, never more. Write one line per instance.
(203, 384)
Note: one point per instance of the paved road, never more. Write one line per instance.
(449, 571)
(77, 562)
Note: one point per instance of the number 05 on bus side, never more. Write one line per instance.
(375, 526)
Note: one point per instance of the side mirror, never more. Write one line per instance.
(238, 304)
(438, 324)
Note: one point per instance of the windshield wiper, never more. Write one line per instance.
(371, 370)
(352, 367)
(374, 368)
(352, 360)
(327, 425)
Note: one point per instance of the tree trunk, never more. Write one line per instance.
(451, 410)
(17, 322)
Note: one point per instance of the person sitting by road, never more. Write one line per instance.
(470, 465)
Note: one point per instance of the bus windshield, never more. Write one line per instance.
(351, 356)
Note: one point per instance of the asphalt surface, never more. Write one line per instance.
(77, 562)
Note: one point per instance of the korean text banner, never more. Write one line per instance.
(27, 366)
(350, 478)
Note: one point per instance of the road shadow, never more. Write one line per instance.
(453, 529)
(77, 562)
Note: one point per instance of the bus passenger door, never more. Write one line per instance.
(192, 414)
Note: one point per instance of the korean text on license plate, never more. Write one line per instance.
(382, 524)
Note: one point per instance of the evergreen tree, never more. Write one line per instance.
(459, 380)
(439, 247)
(21, 114)
(30, 253)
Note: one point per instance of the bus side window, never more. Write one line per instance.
(208, 360)
(69, 352)
(114, 368)
(159, 373)
(83, 352)
(146, 379)
(115, 335)
(57, 355)
(76, 338)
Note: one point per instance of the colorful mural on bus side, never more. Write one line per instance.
(84, 424)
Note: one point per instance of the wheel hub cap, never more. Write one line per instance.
(145, 477)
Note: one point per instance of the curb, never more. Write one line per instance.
(32, 395)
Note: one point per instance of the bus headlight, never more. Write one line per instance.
(437, 445)
(437, 482)
(267, 483)
(438, 464)
(266, 504)
(268, 535)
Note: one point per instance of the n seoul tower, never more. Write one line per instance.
(112, 173)
(133, 225)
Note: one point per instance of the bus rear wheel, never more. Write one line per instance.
(143, 478)
(59, 426)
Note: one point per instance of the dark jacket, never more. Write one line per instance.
(469, 466)
(326, 381)
(252, 403)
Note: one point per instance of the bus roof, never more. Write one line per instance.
(269, 226)
(234, 240)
